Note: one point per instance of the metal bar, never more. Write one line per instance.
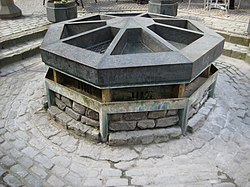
(183, 117)
(103, 119)
(74, 95)
(145, 105)
(50, 95)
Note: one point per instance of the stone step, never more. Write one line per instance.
(21, 45)
(144, 136)
(235, 39)
(237, 51)
(20, 51)
(22, 37)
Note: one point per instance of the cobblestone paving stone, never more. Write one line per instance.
(218, 154)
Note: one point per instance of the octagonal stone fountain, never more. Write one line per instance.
(129, 78)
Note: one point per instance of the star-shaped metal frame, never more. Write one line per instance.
(129, 50)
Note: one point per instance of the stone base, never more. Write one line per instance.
(8, 12)
(162, 7)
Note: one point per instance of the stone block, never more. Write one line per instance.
(174, 132)
(92, 114)
(135, 116)
(93, 134)
(57, 95)
(210, 103)
(205, 111)
(76, 127)
(161, 136)
(73, 114)
(54, 181)
(117, 182)
(79, 108)
(84, 128)
(60, 104)
(118, 138)
(53, 111)
(164, 135)
(195, 122)
(116, 117)
(144, 136)
(172, 112)
(122, 125)
(146, 124)
(11, 180)
(2, 171)
(63, 118)
(156, 114)
(89, 121)
(168, 121)
(66, 101)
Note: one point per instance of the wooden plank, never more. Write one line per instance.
(206, 73)
(106, 95)
(57, 76)
(73, 95)
(54, 75)
(181, 90)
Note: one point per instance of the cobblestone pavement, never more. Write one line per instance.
(22, 24)
(36, 151)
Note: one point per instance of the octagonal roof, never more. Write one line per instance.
(124, 50)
